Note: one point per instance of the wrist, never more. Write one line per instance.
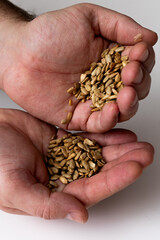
(12, 23)
(10, 46)
(10, 11)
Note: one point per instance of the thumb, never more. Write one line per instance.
(37, 200)
(120, 28)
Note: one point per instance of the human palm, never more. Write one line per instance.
(52, 51)
(23, 175)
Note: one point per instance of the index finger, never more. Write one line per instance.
(112, 137)
(103, 185)
(118, 27)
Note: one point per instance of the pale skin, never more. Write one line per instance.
(23, 175)
(40, 60)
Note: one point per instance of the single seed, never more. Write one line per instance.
(82, 170)
(72, 164)
(91, 173)
(54, 177)
(64, 152)
(113, 97)
(63, 180)
(57, 165)
(64, 121)
(70, 90)
(92, 164)
(80, 145)
(63, 162)
(54, 184)
(50, 161)
(138, 37)
(119, 49)
(83, 156)
(54, 170)
(70, 102)
(78, 155)
(75, 175)
(58, 159)
(71, 156)
(85, 165)
(67, 175)
(114, 91)
(69, 116)
(118, 84)
(108, 58)
(50, 171)
(88, 142)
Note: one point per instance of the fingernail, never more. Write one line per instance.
(139, 77)
(145, 55)
(76, 217)
(134, 101)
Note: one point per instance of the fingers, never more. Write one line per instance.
(13, 211)
(134, 74)
(104, 120)
(124, 165)
(96, 122)
(143, 53)
(113, 137)
(140, 152)
(119, 28)
(103, 185)
(37, 200)
(127, 101)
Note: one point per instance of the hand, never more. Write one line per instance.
(51, 52)
(23, 175)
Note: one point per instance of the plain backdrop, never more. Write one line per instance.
(133, 213)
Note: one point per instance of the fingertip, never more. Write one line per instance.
(153, 37)
(108, 117)
(79, 217)
(104, 120)
(146, 35)
(127, 173)
(134, 170)
(128, 103)
(132, 74)
(139, 52)
(120, 136)
(122, 175)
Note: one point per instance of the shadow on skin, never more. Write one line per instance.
(139, 199)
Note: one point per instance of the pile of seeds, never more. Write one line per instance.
(102, 82)
(72, 157)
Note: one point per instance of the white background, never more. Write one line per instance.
(133, 213)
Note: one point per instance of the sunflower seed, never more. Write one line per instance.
(101, 75)
(63, 180)
(73, 157)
